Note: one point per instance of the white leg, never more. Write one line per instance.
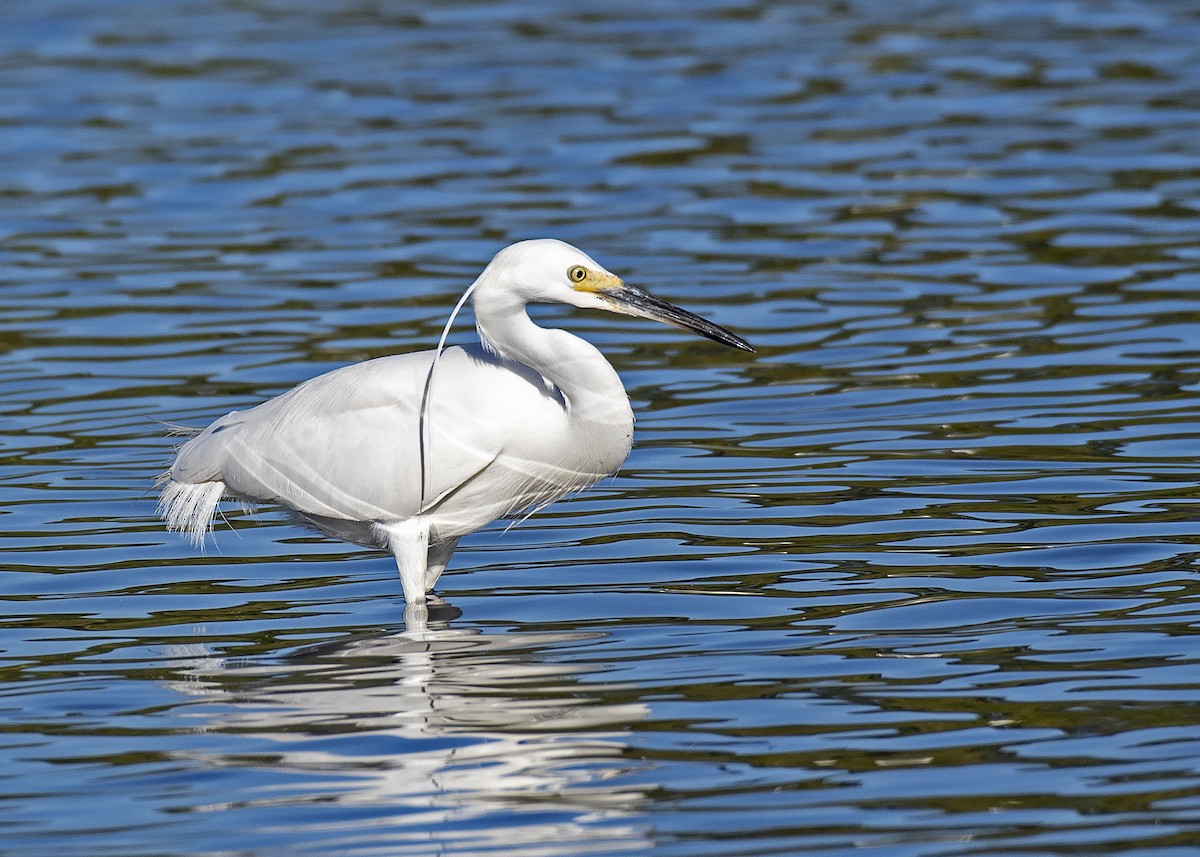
(409, 541)
(439, 555)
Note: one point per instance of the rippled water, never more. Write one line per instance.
(919, 578)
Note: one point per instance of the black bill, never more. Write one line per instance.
(633, 301)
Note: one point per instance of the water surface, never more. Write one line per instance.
(919, 578)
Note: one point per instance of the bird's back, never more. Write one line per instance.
(347, 449)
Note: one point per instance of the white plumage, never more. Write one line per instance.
(409, 453)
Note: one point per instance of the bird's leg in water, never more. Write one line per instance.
(439, 555)
(409, 541)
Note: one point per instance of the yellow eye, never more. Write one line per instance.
(577, 273)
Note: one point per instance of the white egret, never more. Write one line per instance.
(412, 452)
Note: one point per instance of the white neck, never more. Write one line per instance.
(588, 383)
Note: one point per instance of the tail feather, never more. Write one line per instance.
(188, 507)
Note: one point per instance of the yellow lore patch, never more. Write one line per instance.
(588, 280)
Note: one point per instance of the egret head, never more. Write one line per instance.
(548, 271)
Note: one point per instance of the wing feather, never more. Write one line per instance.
(345, 445)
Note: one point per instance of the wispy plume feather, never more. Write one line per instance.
(423, 422)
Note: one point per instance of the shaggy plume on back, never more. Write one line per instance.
(188, 507)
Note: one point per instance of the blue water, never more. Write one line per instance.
(920, 578)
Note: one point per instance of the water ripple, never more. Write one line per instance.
(917, 579)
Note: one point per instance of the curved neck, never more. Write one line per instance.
(589, 385)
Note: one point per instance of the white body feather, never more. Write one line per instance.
(342, 450)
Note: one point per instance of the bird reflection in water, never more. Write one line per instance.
(442, 724)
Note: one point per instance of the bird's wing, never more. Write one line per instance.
(347, 444)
